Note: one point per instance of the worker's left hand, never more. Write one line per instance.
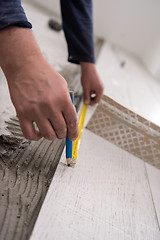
(91, 83)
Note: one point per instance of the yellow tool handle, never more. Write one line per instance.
(80, 127)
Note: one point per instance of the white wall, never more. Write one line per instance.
(133, 25)
(152, 58)
(52, 5)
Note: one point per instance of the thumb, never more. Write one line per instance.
(86, 96)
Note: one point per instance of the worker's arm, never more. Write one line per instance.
(78, 28)
(38, 92)
(12, 13)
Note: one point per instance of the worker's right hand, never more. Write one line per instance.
(41, 95)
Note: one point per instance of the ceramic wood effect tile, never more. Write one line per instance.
(154, 182)
(106, 196)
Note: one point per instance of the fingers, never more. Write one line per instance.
(52, 128)
(49, 129)
(91, 84)
(96, 96)
(86, 96)
(28, 130)
(58, 125)
(70, 117)
(92, 96)
(46, 129)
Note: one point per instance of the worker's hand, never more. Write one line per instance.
(91, 83)
(39, 95)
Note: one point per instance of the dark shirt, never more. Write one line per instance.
(77, 25)
(12, 13)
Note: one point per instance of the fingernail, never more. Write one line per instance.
(72, 139)
(74, 124)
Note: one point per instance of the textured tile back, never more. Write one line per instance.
(127, 130)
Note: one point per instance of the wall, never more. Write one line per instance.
(132, 24)
(51, 5)
(152, 58)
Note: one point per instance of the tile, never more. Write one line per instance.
(106, 196)
(127, 130)
(154, 181)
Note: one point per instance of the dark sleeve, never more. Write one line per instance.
(12, 13)
(78, 29)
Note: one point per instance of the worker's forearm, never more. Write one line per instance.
(87, 66)
(17, 47)
(38, 92)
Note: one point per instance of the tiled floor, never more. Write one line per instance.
(106, 196)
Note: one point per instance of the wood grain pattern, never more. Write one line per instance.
(106, 196)
(154, 181)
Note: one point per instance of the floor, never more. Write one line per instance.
(110, 194)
